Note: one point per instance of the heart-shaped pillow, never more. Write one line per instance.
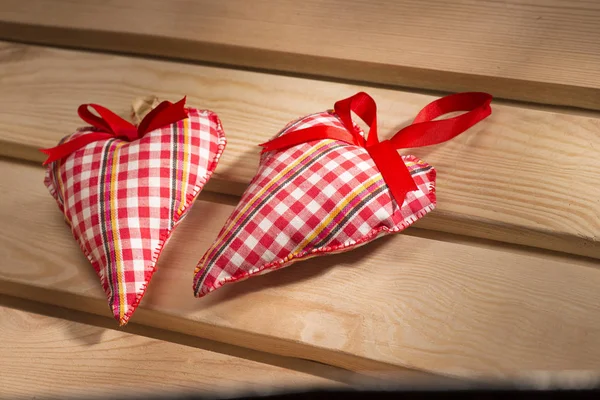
(123, 198)
(323, 187)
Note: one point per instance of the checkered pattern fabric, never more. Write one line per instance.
(123, 199)
(315, 198)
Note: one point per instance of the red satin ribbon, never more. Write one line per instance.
(110, 125)
(424, 131)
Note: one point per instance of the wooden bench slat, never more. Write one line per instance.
(521, 176)
(402, 301)
(537, 51)
(47, 357)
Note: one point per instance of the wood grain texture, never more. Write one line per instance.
(56, 358)
(404, 301)
(535, 50)
(521, 176)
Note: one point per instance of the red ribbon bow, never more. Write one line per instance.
(110, 125)
(422, 132)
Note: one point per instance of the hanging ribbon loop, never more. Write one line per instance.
(109, 125)
(424, 131)
(107, 122)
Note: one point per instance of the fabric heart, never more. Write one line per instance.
(123, 199)
(323, 187)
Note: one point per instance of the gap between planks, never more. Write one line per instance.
(401, 302)
(321, 372)
(534, 51)
(71, 353)
(521, 176)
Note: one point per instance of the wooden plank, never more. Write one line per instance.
(50, 357)
(403, 301)
(532, 50)
(521, 176)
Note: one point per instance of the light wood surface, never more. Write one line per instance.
(534, 50)
(521, 176)
(49, 357)
(446, 306)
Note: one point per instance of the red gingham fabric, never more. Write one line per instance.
(123, 199)
(319, 197)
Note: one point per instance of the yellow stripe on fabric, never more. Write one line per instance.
(338, 209)
(274, 181)
(186, 151)
(58, 176)
(115, 228)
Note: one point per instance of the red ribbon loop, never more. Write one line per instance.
(110, 125)
(424, 131)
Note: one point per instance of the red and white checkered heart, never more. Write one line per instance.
(319, 197)
(124, 199)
